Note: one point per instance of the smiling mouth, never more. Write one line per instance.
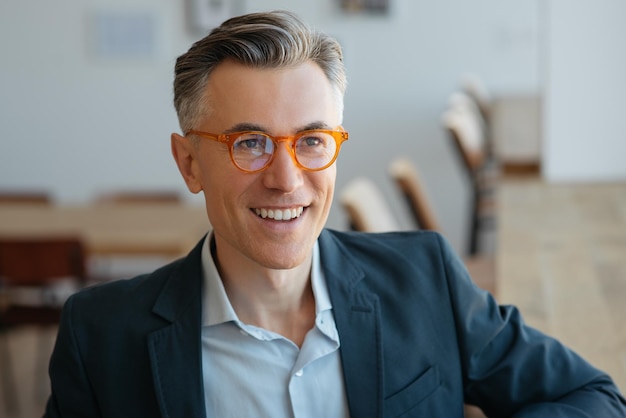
(279, 214)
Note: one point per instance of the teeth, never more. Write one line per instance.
(280, 215)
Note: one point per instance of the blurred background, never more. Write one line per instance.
(86, 95)
(86, 88)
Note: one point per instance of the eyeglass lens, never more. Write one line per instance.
(312, 149)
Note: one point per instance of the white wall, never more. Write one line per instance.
(77, 123)
(585, 91)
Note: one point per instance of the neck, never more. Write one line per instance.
(280, 301)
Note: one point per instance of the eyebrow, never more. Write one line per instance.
(241, 127)
(245, 126)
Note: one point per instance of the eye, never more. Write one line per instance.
(250, 142)
(311, 141)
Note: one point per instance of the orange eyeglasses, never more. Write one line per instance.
(252, 151)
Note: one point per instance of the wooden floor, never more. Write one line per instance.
(25, 392)
(561, 258)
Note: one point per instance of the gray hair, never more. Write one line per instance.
(264, 40)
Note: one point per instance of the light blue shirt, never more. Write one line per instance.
(252, 372)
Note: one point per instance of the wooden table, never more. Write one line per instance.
(561, 258)
(138, 229)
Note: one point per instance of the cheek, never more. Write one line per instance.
(215, 171)
(324, 183)
(224, 185)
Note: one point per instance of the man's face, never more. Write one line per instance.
(279, 102)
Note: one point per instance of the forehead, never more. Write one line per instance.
(279, 98)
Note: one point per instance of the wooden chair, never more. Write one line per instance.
(366, 207)
(472, 85)
(467, 133)
(407, 178)
(36, 277)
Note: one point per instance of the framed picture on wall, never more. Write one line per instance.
(204, 15)
(365, 6)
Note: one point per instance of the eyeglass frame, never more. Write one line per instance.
(338, 134)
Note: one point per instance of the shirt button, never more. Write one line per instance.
(299, 373)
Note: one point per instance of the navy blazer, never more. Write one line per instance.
(418, 339)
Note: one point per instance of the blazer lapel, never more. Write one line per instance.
(175, 350)
(357, 317)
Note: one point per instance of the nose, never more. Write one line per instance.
(283, 174)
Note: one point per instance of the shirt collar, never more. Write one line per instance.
(216, 307)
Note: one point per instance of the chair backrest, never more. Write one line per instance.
(24, 197)
(140, 197)
(366, 207)
(41, 261)
(406, 176)
(466, 128)
(473, 86)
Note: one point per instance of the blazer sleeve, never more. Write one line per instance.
(512, 369)
(71, 390)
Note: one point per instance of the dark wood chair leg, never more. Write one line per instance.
(474, 227)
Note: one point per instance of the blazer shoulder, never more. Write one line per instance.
(378, 256)
(402, 243)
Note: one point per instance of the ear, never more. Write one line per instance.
(185, 155)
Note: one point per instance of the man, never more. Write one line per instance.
(271, 315)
